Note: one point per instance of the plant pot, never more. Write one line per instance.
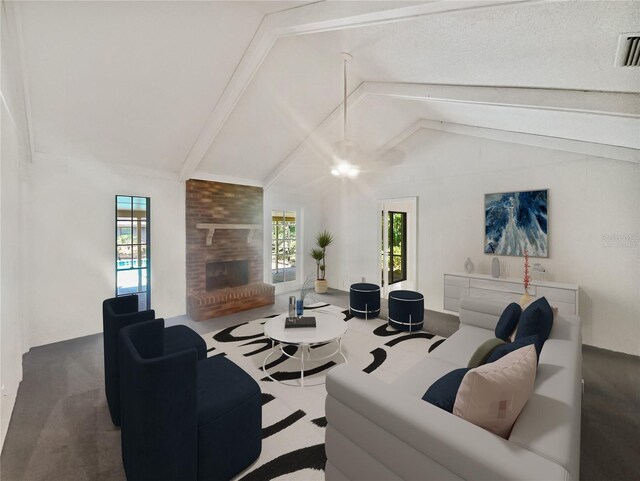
(321, 286)
(525, 300)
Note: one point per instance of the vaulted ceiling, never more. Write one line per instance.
(244, 91)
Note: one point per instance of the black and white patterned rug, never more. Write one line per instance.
(293, 419)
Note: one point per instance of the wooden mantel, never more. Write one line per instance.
(212, 228)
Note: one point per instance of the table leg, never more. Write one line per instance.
(340, 351)
(302, 365)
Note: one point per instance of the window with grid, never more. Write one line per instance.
(133, 254)
(283, 246)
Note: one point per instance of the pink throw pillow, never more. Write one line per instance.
(492, 395)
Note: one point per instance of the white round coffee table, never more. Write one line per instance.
(329, 328)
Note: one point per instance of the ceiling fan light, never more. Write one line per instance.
(335, 172)
(353, 172)
(344, 168)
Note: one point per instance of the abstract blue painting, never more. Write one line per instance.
(515, 221)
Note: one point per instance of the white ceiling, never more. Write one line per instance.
(138, 82)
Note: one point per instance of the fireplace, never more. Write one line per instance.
(220, 275)
(224, 262)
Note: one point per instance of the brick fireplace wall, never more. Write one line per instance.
(220, 203)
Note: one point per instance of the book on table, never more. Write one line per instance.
(300, 322)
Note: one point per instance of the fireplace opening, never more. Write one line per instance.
(226, 274)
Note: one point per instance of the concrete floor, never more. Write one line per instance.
(61, 431)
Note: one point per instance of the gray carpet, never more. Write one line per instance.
(61, 430)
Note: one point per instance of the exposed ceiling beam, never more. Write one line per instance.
(314, 18)
(619, 104)
(544, 141)
(584, 111)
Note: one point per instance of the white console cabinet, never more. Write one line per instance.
(456, 285)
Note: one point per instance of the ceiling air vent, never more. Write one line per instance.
(628, 50)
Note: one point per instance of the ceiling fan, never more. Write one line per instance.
(345, 151)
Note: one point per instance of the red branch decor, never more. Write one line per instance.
(527, 277)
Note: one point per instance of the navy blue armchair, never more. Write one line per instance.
(119, 312)
(184, 419)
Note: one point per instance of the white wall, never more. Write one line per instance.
(14, 155)
(308, 217)
(70, 232)
(11, 319)
(594, 222)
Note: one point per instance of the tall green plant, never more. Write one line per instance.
(324, 240)
(317, 255)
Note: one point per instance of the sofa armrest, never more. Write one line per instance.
(384, 422)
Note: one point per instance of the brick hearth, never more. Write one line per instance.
(219, 203)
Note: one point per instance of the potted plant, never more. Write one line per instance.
(323, 240)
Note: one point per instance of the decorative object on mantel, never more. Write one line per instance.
(495, 267)
(323, 240)
(212, 228)
(526, 281)
(515, 221)
(468, 266)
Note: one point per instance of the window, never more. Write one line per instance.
(133, 255)
(397, 251)
(283, 246)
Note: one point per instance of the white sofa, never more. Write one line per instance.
(379, 431)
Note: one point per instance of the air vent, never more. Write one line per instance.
(628, 54)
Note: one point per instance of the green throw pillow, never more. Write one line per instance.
(484, 351)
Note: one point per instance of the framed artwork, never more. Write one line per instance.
(514, 221)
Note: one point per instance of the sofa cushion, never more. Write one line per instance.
(178, 338)
(514, 334)
(483, 352)
(536, 319)
(458, 348)
(443, 392)
(417, 379)
(550, 422)
(508, 321)
(491, 396)
(222, 387)
(509, 347)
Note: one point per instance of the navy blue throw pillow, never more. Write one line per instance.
(505, 349)
(536, 320)
(508, 321)
(443, 392)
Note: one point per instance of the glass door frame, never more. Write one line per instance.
(391, 256)
(410, 206)
(287, 240)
